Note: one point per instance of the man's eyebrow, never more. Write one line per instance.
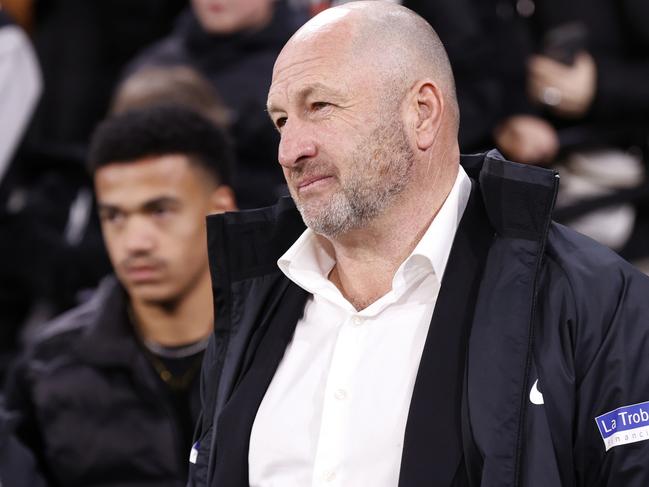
(148, 205)
(168, 201)
(106, 206)
(319, 88)
(271, 108)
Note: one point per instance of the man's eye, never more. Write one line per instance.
(280, 122)
(111, 216)
(160, 211)
(319, 105)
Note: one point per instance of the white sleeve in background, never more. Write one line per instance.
(20, 88)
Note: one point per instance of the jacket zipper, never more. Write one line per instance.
(530, 341)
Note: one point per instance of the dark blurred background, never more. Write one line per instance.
(563, 84)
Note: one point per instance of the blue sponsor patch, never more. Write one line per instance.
(624, 425)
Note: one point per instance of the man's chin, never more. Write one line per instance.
(151, 293)
(326, 224)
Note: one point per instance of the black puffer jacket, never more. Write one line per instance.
(93, 409)
(17, 466)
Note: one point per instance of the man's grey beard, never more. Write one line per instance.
(381, 168)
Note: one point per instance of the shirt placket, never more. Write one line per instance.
(337, 403)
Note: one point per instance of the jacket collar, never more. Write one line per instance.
(518, 198)
(110, 338)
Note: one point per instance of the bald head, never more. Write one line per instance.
(392, 40)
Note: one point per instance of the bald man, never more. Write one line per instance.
(431, 325)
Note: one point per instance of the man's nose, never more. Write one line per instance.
(296, 143)
(139, 236)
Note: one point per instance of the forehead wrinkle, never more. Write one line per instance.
(305, 90)
(294, 63)
(300, 79)
(280, 82)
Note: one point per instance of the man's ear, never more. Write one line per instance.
(428, 106)
(222, 199)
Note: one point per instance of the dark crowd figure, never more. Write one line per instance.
(234, 44)
(83, 48)
(108, 393)
(576, 75)
(161, 85)
(20, 88)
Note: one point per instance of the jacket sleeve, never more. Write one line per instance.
(604, 360)
(17, 465)
(18, 402)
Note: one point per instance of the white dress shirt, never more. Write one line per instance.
(336, 409)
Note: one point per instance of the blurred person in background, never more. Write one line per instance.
(83, 47)
(69, 256)
(579, 64)
(577, 78)
(108, 393)
(234, 44)
(20, 89)
(181, 85)
(53, 250)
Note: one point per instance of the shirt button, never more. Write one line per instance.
(329, 476)
(357, 320)
(340, 394)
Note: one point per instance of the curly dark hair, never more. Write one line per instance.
(162, 130)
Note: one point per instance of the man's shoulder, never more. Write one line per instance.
(594, 295)
(55, 338)
(588, 265)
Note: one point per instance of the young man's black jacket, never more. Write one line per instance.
(17, 466)
(558, 334)
(93, 409)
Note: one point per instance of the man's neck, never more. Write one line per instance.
(368, 258)
(186, 321)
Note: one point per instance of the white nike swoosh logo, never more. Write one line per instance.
(535, 395)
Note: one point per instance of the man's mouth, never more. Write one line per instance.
(143, 273)
(313, 183)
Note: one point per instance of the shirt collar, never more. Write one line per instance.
(308, 263)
